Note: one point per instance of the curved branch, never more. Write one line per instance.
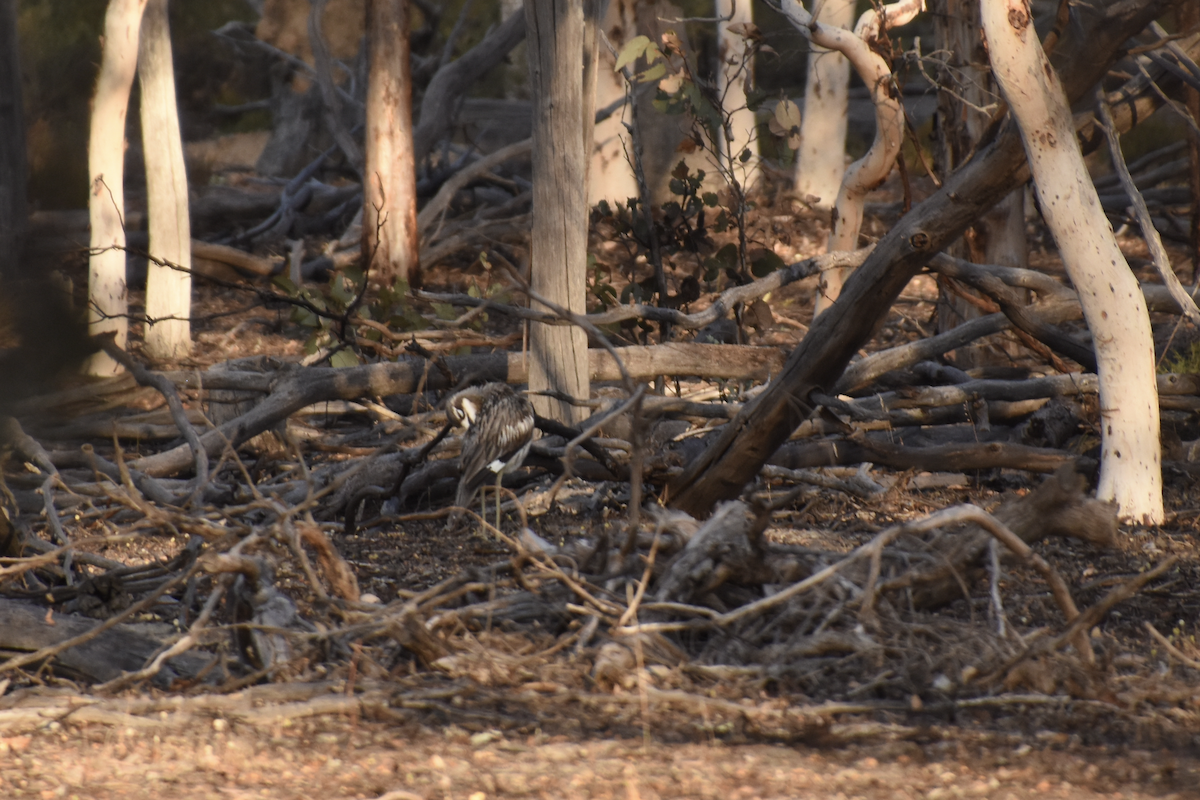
(869, 171)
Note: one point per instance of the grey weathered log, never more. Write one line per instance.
(998, 167)
(27, 628)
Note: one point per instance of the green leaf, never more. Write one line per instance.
(302, 316)
(285, 283)
(473, 290)
(655, 73)
(710, 199)
(341, 290)
(444, 311)
(631, 51)
(344, 358)
(765, 263)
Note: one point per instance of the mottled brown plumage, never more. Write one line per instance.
(500, 430)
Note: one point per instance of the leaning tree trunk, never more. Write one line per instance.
(967, 98)
(1130, 460)
(821, 159)
(168, 291)
(107, 292)
(737, 455)
(559, 240)
(390, 178)
(735, 68)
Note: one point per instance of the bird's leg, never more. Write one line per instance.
(499, 476)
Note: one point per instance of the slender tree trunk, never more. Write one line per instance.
(107, 292)
(734, 70)
(554, 36)
(821, 160)
(390, 179)
(1130, 467)
(13, 169)
(168, 291)
(968, 98)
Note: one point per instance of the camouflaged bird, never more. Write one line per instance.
(500, 431)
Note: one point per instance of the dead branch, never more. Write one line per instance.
(719, 309)
(1057, 507)
(451, 82)
(434, 208)
(1158, 253)
(147, 378)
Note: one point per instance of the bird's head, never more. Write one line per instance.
(464, 408)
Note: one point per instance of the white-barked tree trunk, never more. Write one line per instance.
(1130, 461)
(108, 301)
(821, 159)
(168, 291)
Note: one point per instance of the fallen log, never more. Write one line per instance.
(294, 389)
(845, 452)
(28, 628)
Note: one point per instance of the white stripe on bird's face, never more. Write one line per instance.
(466, 411)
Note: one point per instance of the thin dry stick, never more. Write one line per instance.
(631, 611)
(1158, 253)
(994, 578)
(1092, 616)
(1170, 648)
(187, 642)
(145, 377)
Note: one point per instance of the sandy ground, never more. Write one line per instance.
(333, 757)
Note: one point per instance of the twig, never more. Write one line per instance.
(1080, 626)
(1158, 253)
(145, 377)
(185, 643)
(1170, 648)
